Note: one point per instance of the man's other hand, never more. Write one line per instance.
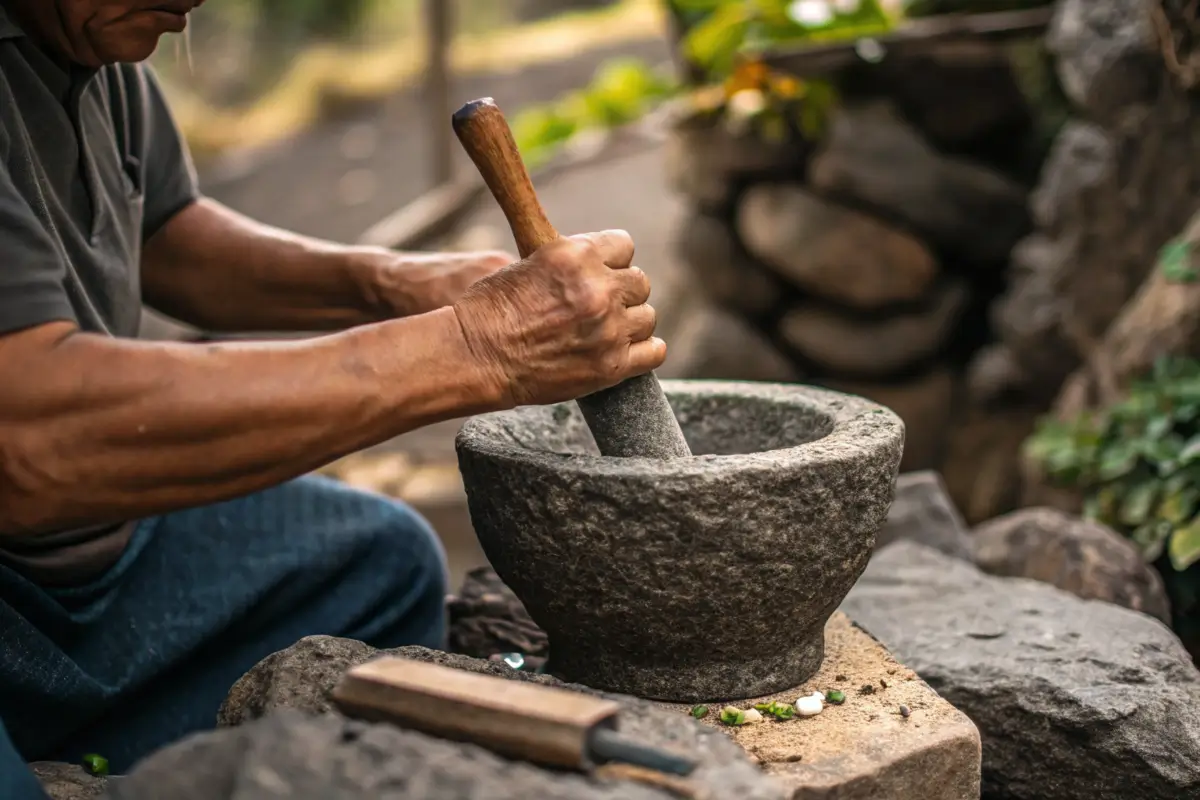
(568, 321)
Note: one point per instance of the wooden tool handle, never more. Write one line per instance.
(632, 419)
(545, 725)
(485, 135)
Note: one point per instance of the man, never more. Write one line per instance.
(157, 537)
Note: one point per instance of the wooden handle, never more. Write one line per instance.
(632, 419)
(542, 724)
(481, 127)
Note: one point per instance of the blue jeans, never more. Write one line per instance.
(146, 654)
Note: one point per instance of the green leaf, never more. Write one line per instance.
(1184, 548)
(1179, 506)
(836, 697)
(95, 764)
(699, 712)
(1151, 538)
(1117, 462)
(1175, 261)
(1139, 503)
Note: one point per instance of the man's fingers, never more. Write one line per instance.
(633, 286)
(616, 247)
(641, 321)
(646, 356)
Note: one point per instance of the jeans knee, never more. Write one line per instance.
(409, 549)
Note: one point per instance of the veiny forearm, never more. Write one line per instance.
(101, 430)
(216, 269)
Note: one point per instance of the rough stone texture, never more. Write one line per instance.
(1075, 699)
(924, 513)
(313, 758)
(874, 158)
(723, 270)
(1087, 559)
(1121, 180)
(706, 163)
(328, 757)
(716, 345)
(925, 404)
(67, 781)
(874, 348)
(625, 562)
(487, 618)
(634, 419)
(832, 251)
(864, 749)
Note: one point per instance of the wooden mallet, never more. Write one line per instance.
(631, 419)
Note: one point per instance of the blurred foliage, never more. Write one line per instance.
(1138, 467)
(622, 91)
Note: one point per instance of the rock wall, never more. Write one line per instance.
(867, 260)
(966, 230)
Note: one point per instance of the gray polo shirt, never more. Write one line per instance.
(91, 165)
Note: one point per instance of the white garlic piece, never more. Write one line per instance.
(809, 706)
(752, 715)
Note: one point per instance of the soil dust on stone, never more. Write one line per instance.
(852, 661)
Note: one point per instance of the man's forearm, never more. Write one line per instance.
(220, 271)
(115, 430)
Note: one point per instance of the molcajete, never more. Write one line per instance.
(701, 578)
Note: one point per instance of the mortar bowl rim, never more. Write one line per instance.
(858, 427)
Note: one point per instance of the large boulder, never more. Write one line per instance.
(330, 757)
(1074, 699)
(1087, 559)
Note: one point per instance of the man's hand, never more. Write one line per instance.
(568, 321)
(413, 283)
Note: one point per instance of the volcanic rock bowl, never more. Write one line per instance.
(702, 578)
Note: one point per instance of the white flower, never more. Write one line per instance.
(810, 13)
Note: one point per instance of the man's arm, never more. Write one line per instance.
(96, 430)
(220, 271)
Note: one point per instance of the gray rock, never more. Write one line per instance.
(67, 781)
(873, 158)
(300, 680)
(1074, 699)
(722, 270)
(924, 513)
(1087, 559)
(832, 251)
(875, 348)
(1107, 55)
(715, 344)
(663, 579)
(301, 757)
(1119, 183)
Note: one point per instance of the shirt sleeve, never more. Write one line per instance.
(32, 273)
(170, 176)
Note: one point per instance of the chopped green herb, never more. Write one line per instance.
(836, 696)
(699, 712)
(733, 716)
(97, 765)
(782, 711)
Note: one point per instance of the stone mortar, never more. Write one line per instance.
(701, 577)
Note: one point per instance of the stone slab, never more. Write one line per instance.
(864, 749)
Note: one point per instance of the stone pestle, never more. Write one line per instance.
(632, 419)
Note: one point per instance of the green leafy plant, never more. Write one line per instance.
(1137, 465)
